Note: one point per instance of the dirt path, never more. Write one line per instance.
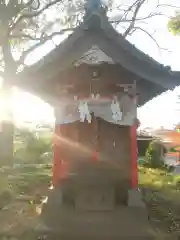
(20, 216)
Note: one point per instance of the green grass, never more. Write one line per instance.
(162, 193)
(161, 181)
(162, 196)
(26, 187)
(155, 178)
(31, 177)
(25, 180)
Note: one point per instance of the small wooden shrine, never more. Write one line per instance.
(95, 80)
(95, 70)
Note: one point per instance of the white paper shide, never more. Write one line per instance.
(118, 110)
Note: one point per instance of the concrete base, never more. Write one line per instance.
(135, 199)
(117, 224)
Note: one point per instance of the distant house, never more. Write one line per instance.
(171, 141)
(170, 138)
(143, 143)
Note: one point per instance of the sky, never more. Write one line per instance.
(164, 110)
(161, 111)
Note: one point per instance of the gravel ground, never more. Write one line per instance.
(163, 213)
(164, 216)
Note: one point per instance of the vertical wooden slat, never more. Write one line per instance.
(134, 156)
(57, 157)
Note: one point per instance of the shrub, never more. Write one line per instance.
(154, 157)
(32, 147)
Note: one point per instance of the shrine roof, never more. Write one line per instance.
(144, 137)
(96, 30)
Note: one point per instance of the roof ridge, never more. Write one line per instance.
(130, 46)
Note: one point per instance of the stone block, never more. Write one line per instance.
(93, 198)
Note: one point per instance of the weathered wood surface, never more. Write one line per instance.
(108, 73)
(78, 142)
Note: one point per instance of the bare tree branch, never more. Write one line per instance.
(34, 14)
(131, 26)
(30, 4)
(129, 9)
(40, 43)
(149, 35)
(140, 19)
(167, 5)
(42, 38)
(126, 11)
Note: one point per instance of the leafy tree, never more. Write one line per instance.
(174, 25)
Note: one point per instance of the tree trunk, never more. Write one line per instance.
(7, 127)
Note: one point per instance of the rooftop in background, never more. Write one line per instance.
(169, 137)
(145, 138)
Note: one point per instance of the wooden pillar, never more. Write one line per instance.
(134, 156)
(60, 166)
(56, 160)
(7, 128)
